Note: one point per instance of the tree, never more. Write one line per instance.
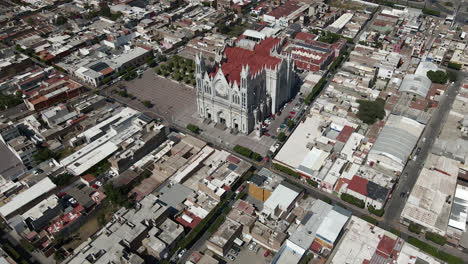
(60, 20)
(290, 123)
(43, 154)
(452, 76)
(195, 129)
(61, 179)
(455, 66)
(147, 104)
(370, 111)
(158, 71)
(437, 76)
(281, 137)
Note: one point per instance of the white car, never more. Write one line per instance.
(98, 183)
(268, 121)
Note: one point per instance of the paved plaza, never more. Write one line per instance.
(175, 102)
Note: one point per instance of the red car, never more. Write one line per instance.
(278, 114)
(62, 194)
(266, 253)
(290, 117)
(241, 188)
(292, 113)
(266, 134)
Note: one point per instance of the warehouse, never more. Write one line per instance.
(395, 143)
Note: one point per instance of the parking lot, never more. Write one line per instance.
(249, 254)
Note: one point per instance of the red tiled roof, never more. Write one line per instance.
(195, 220)
(316, 247)
(79, 119)
(285, 9)
(233, 159)
(88, 177)
(246, 207)
(257, 59)
(358, 184)
(345, 134)
(386, 245)
(305, 36)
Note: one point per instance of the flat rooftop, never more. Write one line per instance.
(428, 203)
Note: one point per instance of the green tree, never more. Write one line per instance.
(370, 111)
(147, 104)
(452, 76)
(455, 66)
(60, 20)
(43, 154)
(437, 76)
(281, 137)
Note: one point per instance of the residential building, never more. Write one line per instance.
(222, 240)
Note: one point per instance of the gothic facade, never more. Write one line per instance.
(249, 82)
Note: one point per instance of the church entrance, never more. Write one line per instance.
(221, 118)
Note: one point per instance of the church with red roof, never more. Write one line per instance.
(248, 82)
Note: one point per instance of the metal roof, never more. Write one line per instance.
(416, 84)
(398, 138)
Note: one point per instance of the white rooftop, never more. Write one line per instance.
(295, 149)
(281, 198)
(27, 196)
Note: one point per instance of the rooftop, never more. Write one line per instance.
(256, 59)
(431, 198)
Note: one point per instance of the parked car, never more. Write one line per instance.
(266, 134)
(266, 253)
(231, 257)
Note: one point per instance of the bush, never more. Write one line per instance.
(431, 12)
(376, 212)
(247, 153)
(352, 200)
(370, 219)
(312, 182)
(454, 66)
(61, 179)
(256, 156)
(415, 228)
(329, 37)
(433, 251)
(12, 252)
(195, 129)
(437, 76)
(106, 80)
(281, 137)
(286, 170)
(436, 238)
(26, 245)
(370, 111)
(395, 231)
(147, 104)
(217, 223)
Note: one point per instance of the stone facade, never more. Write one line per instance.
(259, 93)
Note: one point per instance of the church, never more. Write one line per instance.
(249, 81)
